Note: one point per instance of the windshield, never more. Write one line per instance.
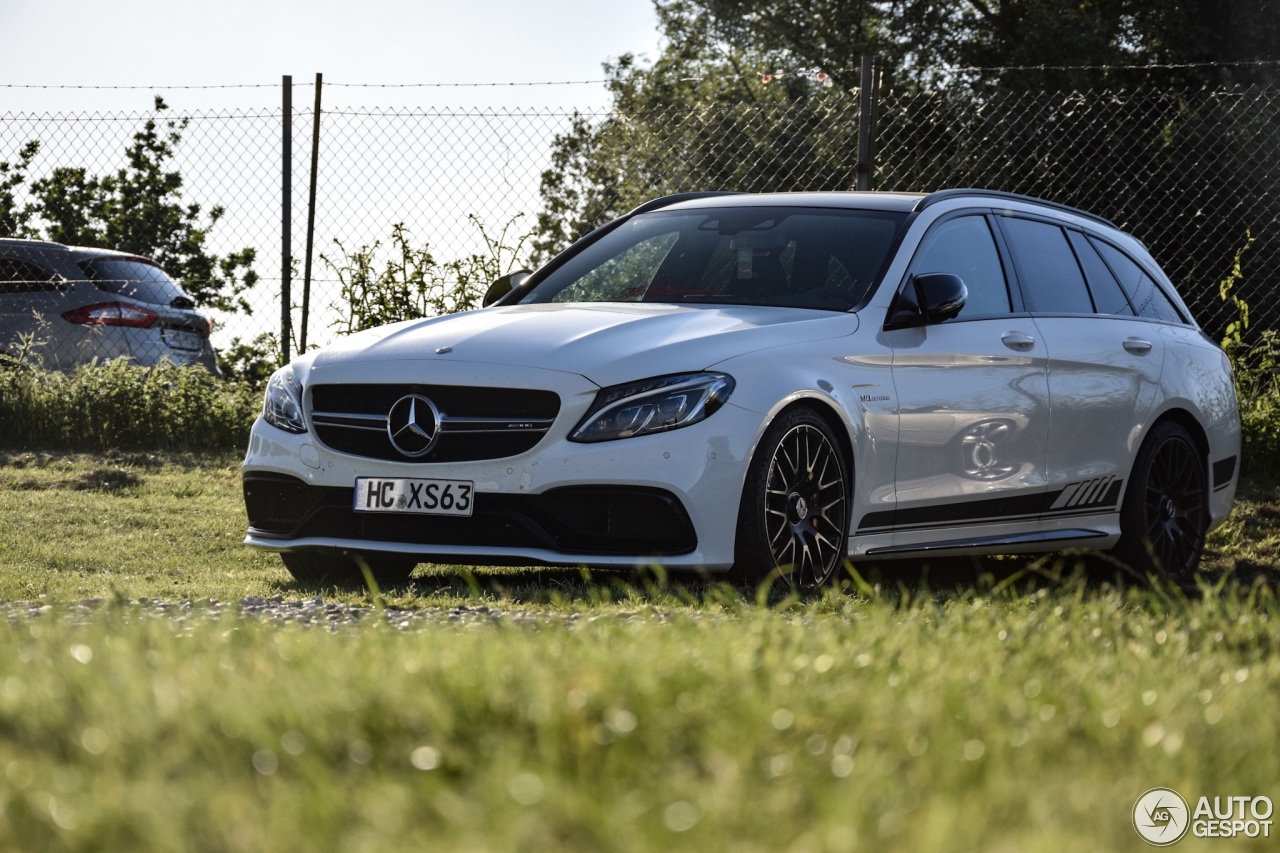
(136, 279)
(793, 257)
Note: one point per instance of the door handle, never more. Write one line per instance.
(1137, 346)
(1018, 341)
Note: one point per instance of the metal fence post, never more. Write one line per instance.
(867, 96)
(286, 217)
(311, 217)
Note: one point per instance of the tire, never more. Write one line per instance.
(315, 567)
(793, 519)
(1164, 517)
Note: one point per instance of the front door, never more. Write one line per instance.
(972, 393)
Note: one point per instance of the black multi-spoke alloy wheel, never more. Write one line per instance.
(1165, 512)
(313, 567)
(794, 514)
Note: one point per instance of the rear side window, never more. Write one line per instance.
(1148, 299)
(136, 279)
(19, 276)
(964, 247)
(1052, 282)
(1107, 293)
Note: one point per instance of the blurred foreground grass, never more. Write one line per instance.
(1017, 720)
(534, 711)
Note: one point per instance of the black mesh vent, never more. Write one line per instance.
(277, 503)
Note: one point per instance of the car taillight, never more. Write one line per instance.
(112, 314)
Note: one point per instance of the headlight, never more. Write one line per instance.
(283, 404)
(653, 405)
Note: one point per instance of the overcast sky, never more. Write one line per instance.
(172, 43)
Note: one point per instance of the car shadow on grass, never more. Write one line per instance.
(899, 581)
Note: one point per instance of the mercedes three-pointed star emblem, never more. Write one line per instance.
(413, 425)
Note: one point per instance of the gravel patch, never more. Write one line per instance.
(310, 612)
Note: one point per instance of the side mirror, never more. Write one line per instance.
(940, 295)
(927, 299)
(503, 286)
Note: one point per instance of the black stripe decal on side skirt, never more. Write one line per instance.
(1099, 494)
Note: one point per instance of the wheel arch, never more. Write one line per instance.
(826, 410)
(1187, 421)
(1183, 418)
(1161, 536)
(824, 407)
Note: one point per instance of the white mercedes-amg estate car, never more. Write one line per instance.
(747, 384)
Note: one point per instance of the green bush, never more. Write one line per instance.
(1257, 369)
(118, 405)
(1255, 358)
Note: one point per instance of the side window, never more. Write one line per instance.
(19, 276)
(964, 247)
(1107, 294)
(1148, 299)
(1047, 268)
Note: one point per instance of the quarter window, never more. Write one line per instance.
(1052, 282)
(964, 247)
(18, 276)
(1148, 299)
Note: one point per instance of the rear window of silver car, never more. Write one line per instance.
(136, 279)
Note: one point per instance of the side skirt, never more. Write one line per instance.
(1098, 531)
(1062, 538)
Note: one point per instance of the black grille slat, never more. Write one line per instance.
(457, 400)
(519, 406)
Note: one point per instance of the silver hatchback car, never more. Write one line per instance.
(68, 305)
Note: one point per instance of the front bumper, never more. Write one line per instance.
(570, 522)
(671, 497)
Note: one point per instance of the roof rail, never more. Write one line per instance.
(946, 195)
(668, 200)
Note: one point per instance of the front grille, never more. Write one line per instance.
(475, 423)
(578, 520)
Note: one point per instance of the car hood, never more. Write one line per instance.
(608, 343)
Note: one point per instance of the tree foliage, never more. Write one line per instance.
(1078, 101)
(1078, 44)
(702, 116)
(139, 208)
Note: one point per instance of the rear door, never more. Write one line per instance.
(1104, 363)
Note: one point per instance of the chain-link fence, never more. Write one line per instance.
(1192, 173)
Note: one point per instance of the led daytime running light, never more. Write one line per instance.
(653, 405)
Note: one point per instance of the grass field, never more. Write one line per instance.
(1024, 709)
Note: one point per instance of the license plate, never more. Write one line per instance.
(423, 497)
(182, 340)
